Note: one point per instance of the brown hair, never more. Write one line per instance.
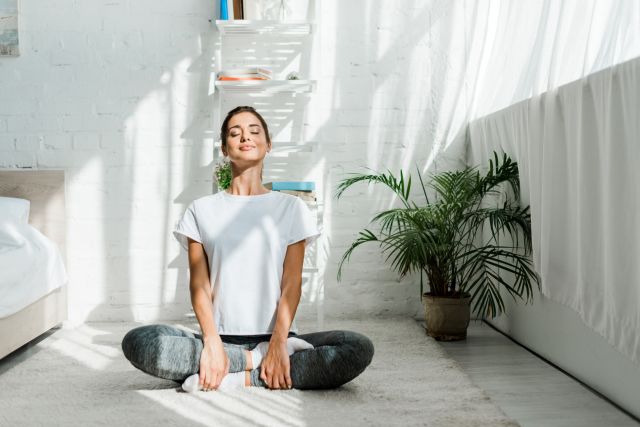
(224, 132)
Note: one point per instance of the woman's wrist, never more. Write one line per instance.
(278, 338)
(213, 338)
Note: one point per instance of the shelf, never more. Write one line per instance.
(263, 27)
(265, 86)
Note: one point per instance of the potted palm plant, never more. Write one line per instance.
(448, 240)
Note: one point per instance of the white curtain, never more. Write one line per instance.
(519, 49)
(499, 52)
(578, 149)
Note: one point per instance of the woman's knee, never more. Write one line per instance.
(130, 340)
(362, 348)
(139, 338)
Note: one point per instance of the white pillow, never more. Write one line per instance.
(14, 209)
(11, 236)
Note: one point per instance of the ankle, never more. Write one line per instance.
(247, 379)
(249, 364)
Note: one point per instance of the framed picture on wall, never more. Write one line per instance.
(9, 28)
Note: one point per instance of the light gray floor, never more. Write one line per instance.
(526, 387)
(79, 377)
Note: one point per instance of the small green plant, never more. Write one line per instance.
(223, 174)
(444, 237)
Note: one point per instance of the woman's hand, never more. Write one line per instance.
(214, 363)
(274, 369)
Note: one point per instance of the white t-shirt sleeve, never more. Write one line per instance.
(187, 226)
(304, 224)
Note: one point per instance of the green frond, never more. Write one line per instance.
(505, 171)
(512, 219)
(396, 185)
(365, 236)
(460, 240)
(424, 189)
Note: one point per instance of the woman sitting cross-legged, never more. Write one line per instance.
(246, 248)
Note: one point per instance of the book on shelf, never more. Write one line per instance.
(232, 79)
(307, 194)
(238, 12)
(231, 9)
(224, 10)
(246, 73)
(291, 185)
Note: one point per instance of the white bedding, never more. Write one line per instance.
(31, 266)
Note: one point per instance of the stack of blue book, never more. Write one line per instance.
(303, 189)
(291, 185)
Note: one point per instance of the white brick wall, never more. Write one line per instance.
(116, 94)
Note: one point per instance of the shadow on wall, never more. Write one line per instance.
(364, 113)
(366, 126)
(159, 150)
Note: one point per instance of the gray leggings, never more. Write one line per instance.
(167, 352)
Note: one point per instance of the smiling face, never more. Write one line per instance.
(247, 141)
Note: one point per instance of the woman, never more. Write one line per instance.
(248, 242)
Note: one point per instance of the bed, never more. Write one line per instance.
(33, 281)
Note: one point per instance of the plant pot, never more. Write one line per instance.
(447, 318)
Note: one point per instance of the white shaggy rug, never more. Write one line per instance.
(79, 377)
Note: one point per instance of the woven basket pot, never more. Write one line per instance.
(446, 318)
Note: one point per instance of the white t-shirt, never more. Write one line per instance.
(245, 239)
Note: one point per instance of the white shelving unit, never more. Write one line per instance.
(250, 29)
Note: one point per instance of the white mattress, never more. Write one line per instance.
(31, 266)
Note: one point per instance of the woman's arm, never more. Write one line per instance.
(291, 290)
(214, 362)
(275, 367)
(200, 289)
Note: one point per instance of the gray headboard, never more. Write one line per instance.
(45, 190)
